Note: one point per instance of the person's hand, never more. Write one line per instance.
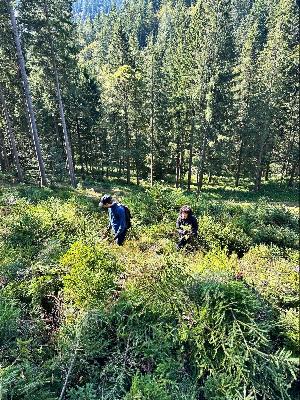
(105, 235)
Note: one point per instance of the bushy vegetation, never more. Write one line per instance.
(83, 319)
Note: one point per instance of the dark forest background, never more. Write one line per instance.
(176, 90)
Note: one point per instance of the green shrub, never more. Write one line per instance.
(272, 275)
(91, 274)
(213, 234)
(146, 387)
(86, 392)
(10, 314)
(146, 322)
(231, 347)
(26, 381)
(280, 236)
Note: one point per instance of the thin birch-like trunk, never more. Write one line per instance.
(35, 136)
(68, 149)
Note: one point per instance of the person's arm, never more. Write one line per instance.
(194, 226)
(178, 226)
(108, 228)
(122, 221)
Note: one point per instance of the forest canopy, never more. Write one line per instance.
(148, 90)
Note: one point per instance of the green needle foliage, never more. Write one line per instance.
(85, 319)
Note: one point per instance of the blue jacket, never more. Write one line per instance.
(117, 219)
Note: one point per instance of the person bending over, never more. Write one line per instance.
(187, 227)
(117, 218)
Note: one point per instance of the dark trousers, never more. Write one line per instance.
(183, 241)
(120, 239)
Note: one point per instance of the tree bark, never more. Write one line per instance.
(177, 161)
(293, 173)
(202, 162)
(11, 135)
(239, 165)
(259, 169)
(152, 125)
(127, 140)
(191, 148)
(3, 154)
(80, 148)
(35, 136)
(68, 149)
(287, 158)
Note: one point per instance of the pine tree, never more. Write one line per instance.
(35, 135)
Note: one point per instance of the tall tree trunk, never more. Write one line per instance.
(293, 173)
(127, 140)
(152, 124)
(179, 155)
(259, 169)
(268, 167)
(268, 161)
(239, 164)
(287, 158)
(68, 149)
(4, 158)
(191, 148)
(137, 160)
(177, 161)
(35, 136)
(181, 160)
(80, 148)
(202, 161)
(11, 135)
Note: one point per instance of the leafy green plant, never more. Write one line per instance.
(91, 274)
(231, 347)
(86, 392)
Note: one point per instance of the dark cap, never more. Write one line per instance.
(106, 199)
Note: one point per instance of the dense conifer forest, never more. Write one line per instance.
(160, 103)
(176, 90)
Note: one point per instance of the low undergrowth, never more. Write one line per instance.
(144, 321)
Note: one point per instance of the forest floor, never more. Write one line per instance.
(146, 321)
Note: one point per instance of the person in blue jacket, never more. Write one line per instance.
(117, 218)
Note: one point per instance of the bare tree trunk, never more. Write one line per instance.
(68, 149)
(287, 159)
(293, 173)
(191, 148)
(152, 125)
(181, 165)
(11, 135)
(268, 167)
(34, 131)
(239, 165)
(177, 161)
(127, 141)
(137, 161)
(202, 161)
(80, 148)
(259, 170)
(269, 160)
(4, 158)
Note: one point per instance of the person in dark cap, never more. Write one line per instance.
(117, 218)
(187, 227)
